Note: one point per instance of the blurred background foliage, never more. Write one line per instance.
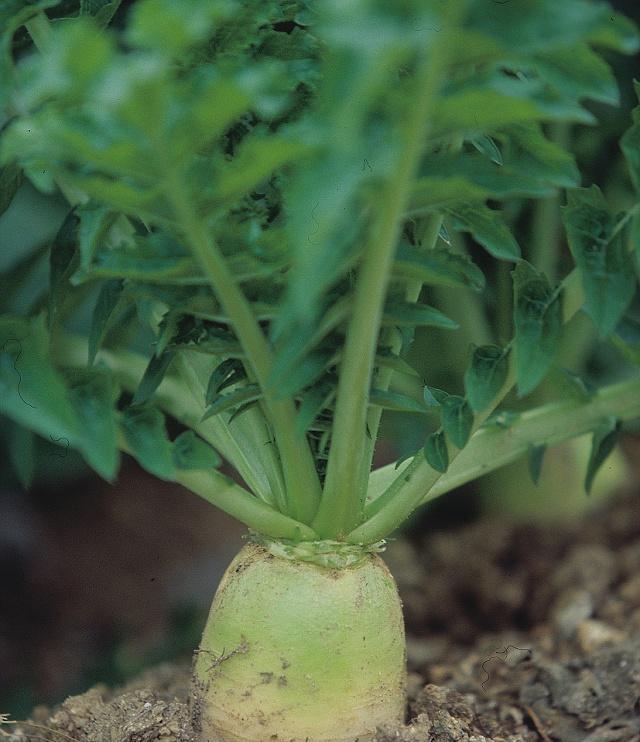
(70, 617)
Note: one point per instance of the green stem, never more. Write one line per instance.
(343, 497)
(224, 493)
(409, 488)
(301, 479)
(494, 447)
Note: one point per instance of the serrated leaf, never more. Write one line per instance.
(435, 451)
(146, 436)
(32, 391)
(438, 267)
(457, 419)
(538, 323)
(487, 228)
(191, 452)
(243, 394)
(10, 180)
(433, 397)
(108, 298)
(606, 268)
(536, 456)
(93, 393)
(603, 442)
(152, 377)
(486, 375)
(395, 401)
(416, 315)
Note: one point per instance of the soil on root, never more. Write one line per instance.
(515, 633)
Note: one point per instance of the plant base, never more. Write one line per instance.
(293, 651)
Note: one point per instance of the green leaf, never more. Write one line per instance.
(191, 452)
(108, 298)
(488, 229)
(93, 393)
(102, 11)
(433, 397)
(416, 315)
(627, 339)
(146, 436)
(536, 456)
(395, 401)
(457, 419)
(63, 259)
(95, 222)
(21, 445)
(313, 402)
(487, 146)
(630, 145)
(248, 393)
(538, 323)
(32, 392)
(438, 267)
(229, 372)
(604, 441)
(435, 451)
(486, 375)
(605, 265)
(10, 180)
(153, 375)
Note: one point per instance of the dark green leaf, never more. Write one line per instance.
(416, 315)
(435, 451)
(191, 452)
(538, 323)
(10, 181)
(604, 440)
(630, 145)
(63, 259)
(536, 455)
(395, 401)
(438, 267)
(627, 339)
(224, 374)
(313, 402)
(153, 375)
(457, 419)
(487, 146)
(146, 437)
(32, 392)
(95, 222)
(485, 375)
(488, 229)
(21, 444)
(250, 392)
(93, 394)
(108, 298)
(433, 397)
(605, 265)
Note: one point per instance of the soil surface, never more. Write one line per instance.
(516, 633)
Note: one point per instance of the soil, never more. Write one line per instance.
(516, 633)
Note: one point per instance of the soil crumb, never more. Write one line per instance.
(516, 633)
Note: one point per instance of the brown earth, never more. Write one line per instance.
(515, 633)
